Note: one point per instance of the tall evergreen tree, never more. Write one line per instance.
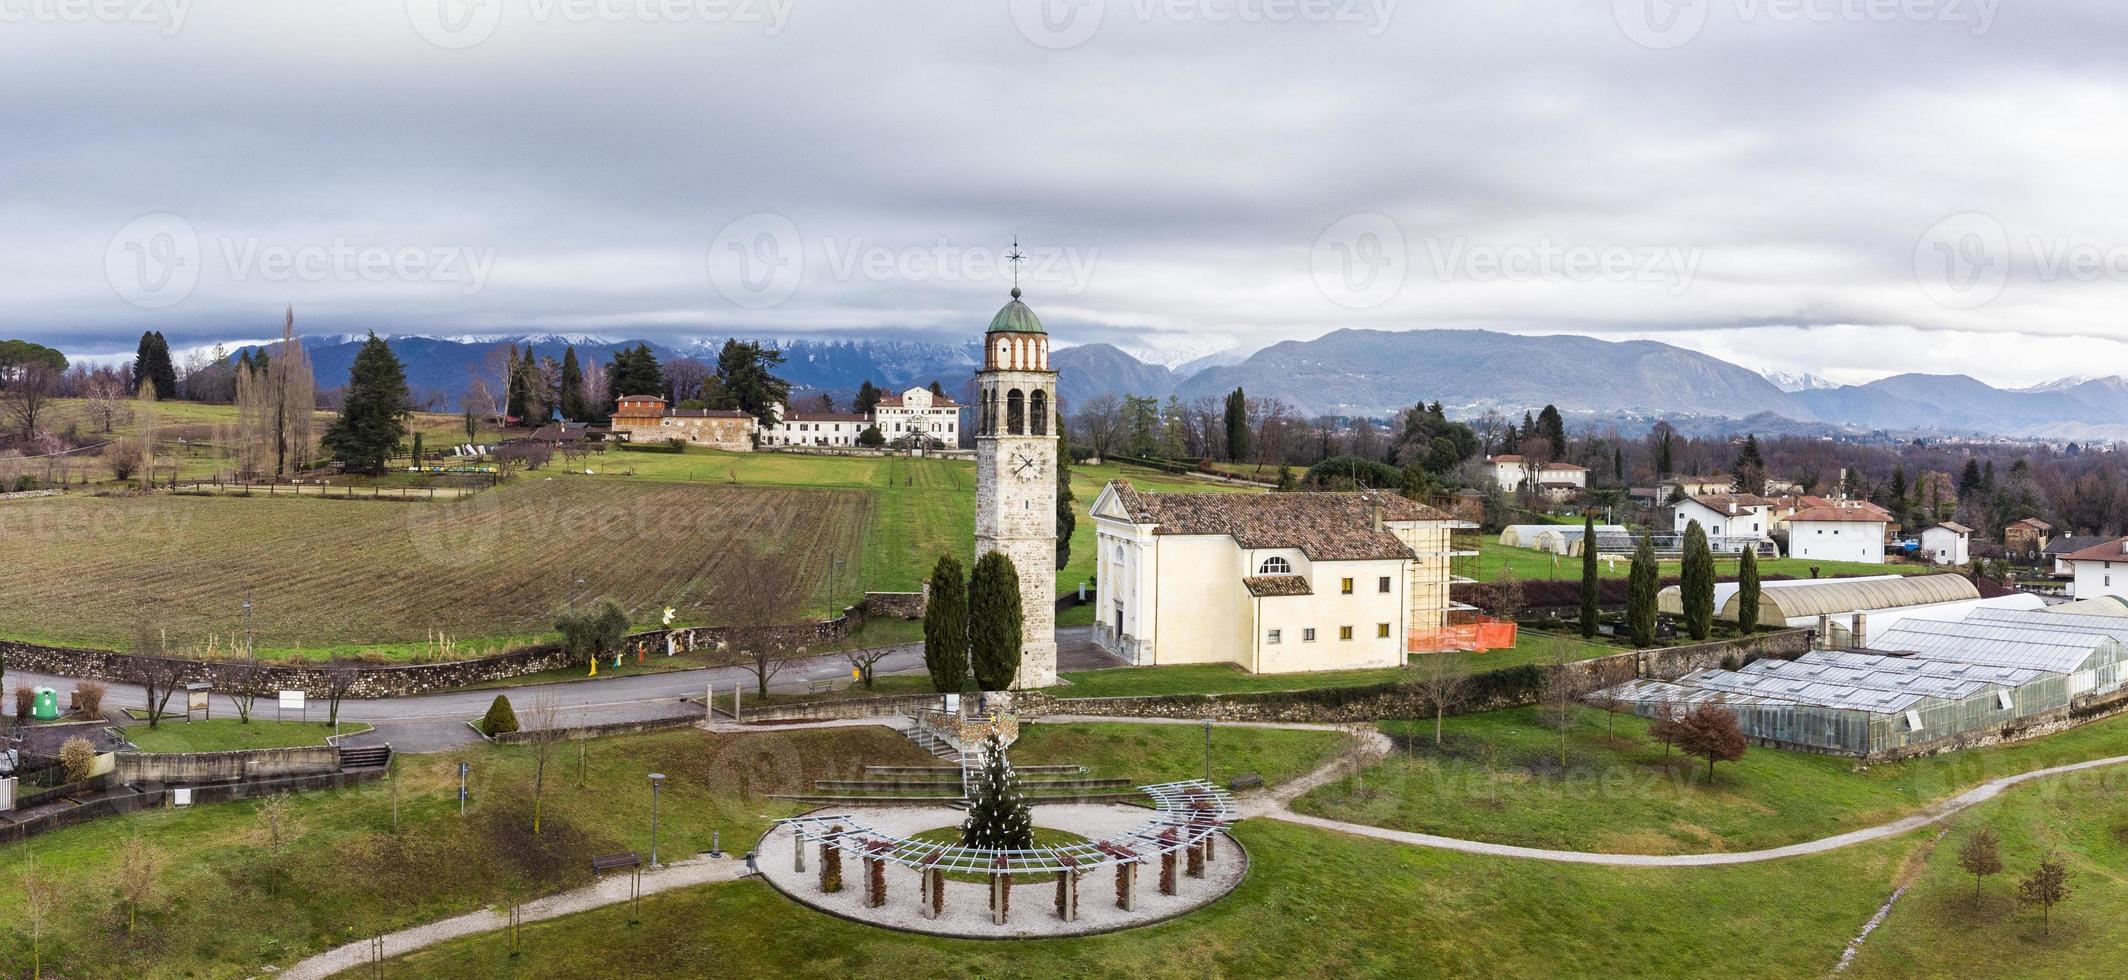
(1747, 591)
(374, 413)
(1641, 588)
(1590, 608)
(1237, 420)
(1067, 516)
(743, 371)
(994, 621)
(151, 363)
(937, 390)
(867, 398)
(1696, 582)
(515, 398)
(998, 817)
(1552, 426)
(1750, 468)
(572, 393)
(946, 627)
(634, 371)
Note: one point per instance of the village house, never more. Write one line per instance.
(1838, 531)
(2099, 570)
(2024, 539)
(1946, 543)
(647, 419)
(815, 429)
(1275, 583)
(920, 413)
(2057, 550)
(1730, 516)
(1553, 481)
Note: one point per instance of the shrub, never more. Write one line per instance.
(91, 695)
(77, 758)
(501, 718)
(25, 699)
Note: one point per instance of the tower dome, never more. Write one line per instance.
(1015, 317)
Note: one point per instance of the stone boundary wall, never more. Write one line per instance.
(27, 494)
(835, 708)
(1490, 690)
(13, 831)
(596, 731)
(899, 605)
(226, 767)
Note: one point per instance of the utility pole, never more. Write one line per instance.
(1208, 750)
(655, 779)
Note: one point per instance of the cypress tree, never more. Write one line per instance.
(1067, 516)
(1696, 583)
(1747, 591)
(999, 817)
(1589, 605)
(946, 627)
(1237, 419)
(994, 621)
(514, 399)
(374, 414)
(572, 393)
(1641, 587)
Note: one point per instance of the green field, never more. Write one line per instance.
(1531, 647)
(195, 437)
(1496, 778)
(227, 734)
(1147, 753)
(1529, 563)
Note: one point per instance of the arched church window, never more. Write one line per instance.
(1275, 565)
(1038, 407)
(1016, 413)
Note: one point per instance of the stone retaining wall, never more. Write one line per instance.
(900, 605)
(226, 767)
(839, 708)
(154, 796)
(595, 731)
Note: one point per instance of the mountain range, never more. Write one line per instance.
(1378, 372)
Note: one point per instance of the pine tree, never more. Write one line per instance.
(998, 817)
(1750, 469)
(867, 398)
(1641, 588)
(1589, 605)
(151, 364)
(994, 621)
(514, 399)
(1747, 591)
(374, 413)
(572, 393)
(946, 627)
(743, 371)
(1696, 583)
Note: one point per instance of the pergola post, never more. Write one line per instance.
(875, 877)
(831, 861)
(1068, 895)
(1208, 838)
(1167, 863)
(932, 882)
(797, 852)
(1195, 866)
(1127, 885)
(1000, 892)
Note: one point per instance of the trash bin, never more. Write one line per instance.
(44, 705)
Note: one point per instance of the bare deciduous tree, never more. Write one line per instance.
(340, 678)
(139, 862)
(159, 675)
(772, 599)
(1442, 684)
(1099, 422)
(28, 396)
(40, 898)
(543, 735)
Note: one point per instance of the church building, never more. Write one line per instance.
(1274, 582)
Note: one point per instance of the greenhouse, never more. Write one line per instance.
(1925, 681)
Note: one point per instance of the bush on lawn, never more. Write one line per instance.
(501, 718)
(91, 695)
(77, 758)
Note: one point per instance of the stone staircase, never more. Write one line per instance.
(899, 785)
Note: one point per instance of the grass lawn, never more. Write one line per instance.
(227, 734)
(1148, 754)
(1621, 797)
(1529, 563)
(227, 906)
(1314, 904)
(1939, 929)
(1531, 647)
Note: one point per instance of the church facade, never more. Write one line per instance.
(1016, 475)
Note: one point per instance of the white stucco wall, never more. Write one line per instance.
(2100, 578)
(1944, 546)
(1836, 541)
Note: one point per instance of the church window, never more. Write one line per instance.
(1275, 565)
(1016, 413)
(1038, 405)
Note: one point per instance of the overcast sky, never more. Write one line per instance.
(1852, 188)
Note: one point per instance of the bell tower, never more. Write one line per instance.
(1016, 475)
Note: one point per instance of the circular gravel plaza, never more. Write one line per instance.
(965, 906)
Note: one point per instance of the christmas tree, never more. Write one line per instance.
(998, 818)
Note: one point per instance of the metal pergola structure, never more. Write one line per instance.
(1185, 813)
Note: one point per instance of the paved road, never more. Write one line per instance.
(433, 722)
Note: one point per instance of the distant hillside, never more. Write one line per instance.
(1091, 370)
(1376, 372)
(2094, 409)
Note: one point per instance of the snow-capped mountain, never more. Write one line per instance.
(1797, 381)
(2061, 384)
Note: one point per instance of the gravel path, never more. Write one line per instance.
(611, 890)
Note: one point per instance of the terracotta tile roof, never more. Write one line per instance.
(1720, 501)
(2034, 523)
(937, 401)
(1324, 526)
(1955, 528)
(2113, 549)
(2069, 544)
(1842, 515)
(1515, 458)
(825, 417)
(706, 413)
(1265, 586)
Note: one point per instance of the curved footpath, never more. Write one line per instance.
(1273, 805)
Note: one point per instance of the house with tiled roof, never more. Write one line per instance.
(916, 416)
(1839, 530)
(2059, 548)
(2098, 570)
(1946, 543)
(1557, 481)
(648, 419)
(2024, 538)
(1272, 582)
(1729, 516)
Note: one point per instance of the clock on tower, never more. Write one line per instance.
(1016, 475)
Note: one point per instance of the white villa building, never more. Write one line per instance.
(1732, 516)
(1556, 480)
(1946, 543)
(1838, 532)
(1275, 583)
(2099, 570)
(915, 412)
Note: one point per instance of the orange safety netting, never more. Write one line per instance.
(1480, 634)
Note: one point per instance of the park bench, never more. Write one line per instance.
(614, 862)
(1245, 780)
(822, 685)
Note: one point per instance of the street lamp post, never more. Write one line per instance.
(1208, 750)
(656, 778)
